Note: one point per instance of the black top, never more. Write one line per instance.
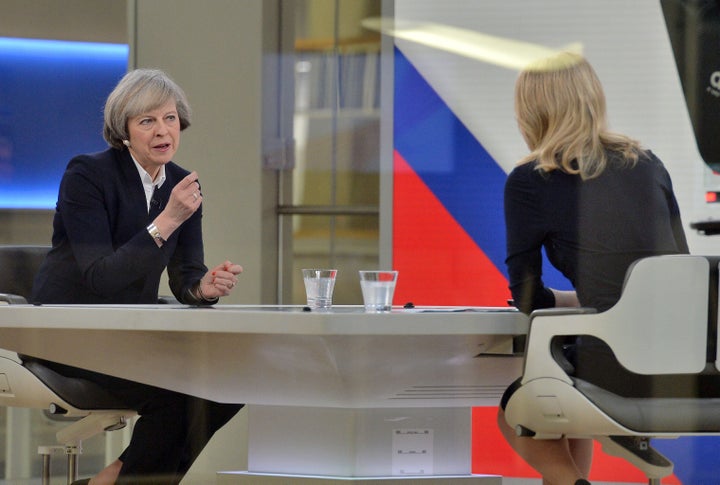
(591, 230)
(101, 251)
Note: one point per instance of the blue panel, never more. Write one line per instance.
(695, 458)
(51, 101)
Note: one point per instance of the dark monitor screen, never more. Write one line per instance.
(51, 108)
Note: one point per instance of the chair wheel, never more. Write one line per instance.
(55, 409)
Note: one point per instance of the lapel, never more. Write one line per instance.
(132, 186)
(136, 192)
(160, 197)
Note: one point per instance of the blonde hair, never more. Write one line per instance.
(138, 92)
(561, 112)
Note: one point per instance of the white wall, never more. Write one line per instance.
(214, 51)
(80, 20)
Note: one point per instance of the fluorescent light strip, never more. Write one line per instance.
(23, 47)
(508, 53)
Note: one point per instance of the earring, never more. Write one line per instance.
(126, 143)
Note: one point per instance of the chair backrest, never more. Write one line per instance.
(18, 266)
(659, 325)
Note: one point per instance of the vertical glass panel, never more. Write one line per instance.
(337, 135)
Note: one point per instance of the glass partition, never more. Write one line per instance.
(334, 199)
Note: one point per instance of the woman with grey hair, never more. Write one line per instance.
(123, 217)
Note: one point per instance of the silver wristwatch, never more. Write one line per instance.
(155, 233)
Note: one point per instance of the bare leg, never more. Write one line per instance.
(582, 453)
(553, 459)
(107, 475)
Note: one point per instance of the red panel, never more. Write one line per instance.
(490, 452)
(439, 263)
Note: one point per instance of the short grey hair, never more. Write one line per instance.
(138, 92)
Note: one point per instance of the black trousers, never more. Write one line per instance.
(172, 430)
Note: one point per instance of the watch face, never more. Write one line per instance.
(155, 233)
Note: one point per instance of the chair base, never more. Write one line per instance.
(73, 435)
(638, 451)
(72, 452)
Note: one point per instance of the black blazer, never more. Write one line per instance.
(101, 251)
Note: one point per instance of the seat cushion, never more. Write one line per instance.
(688, 414)
(80, 393)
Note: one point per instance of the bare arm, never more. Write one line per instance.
(565, 298)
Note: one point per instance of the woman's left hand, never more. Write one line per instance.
(220, 280)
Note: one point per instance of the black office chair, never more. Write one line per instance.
(18, 265)
(88, 408)
(663, 328)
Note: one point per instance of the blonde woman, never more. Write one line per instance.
(595, 201)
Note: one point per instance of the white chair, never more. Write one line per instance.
(26, 383)
(664, 327)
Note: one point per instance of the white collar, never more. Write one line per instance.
(147, 181)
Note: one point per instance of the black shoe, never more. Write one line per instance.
(82, 481)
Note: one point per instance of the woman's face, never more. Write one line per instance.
(155, 137)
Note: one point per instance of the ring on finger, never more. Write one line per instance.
(195, 196)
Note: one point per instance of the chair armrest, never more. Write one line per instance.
(546, 324)
(12, 299)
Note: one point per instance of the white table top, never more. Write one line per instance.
(282, 355)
